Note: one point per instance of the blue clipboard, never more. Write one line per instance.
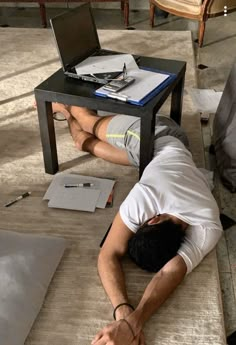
(146, 97)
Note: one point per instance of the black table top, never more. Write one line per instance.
(67, 90)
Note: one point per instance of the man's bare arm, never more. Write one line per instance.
(157, 291)
(109, 263)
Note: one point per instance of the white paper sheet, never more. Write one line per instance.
(205, 100)
(104, 186)
(105, 64)
(145, 82)
(80, 199)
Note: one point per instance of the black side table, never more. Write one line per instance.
(58, 88)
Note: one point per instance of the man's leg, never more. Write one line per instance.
(88, 131)
(90, 122)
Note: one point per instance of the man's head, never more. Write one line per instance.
(154, 245)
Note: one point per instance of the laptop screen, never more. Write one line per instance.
(76, 35)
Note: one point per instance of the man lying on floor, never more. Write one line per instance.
(168, 222)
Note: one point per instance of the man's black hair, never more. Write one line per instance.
(154, 245)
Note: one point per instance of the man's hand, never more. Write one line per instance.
(118, 333)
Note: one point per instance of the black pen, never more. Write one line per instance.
(75, 185)
(17, 199)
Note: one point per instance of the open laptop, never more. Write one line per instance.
(77, 39)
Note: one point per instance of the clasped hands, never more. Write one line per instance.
(118, 333)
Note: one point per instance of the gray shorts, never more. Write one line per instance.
(124, 132)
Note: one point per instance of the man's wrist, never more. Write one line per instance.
(122, 310)
(129, 326)
(136, 321)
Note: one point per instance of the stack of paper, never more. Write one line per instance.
(79, 197)
(147, 84)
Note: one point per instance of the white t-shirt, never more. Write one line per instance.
(172, 184)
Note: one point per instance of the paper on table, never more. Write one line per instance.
(106, 63)
(104, 185)
(80, 199)
(145, 82)
(205, 100)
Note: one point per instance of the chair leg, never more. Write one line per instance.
(126, 12)
(201, 32)
(43, 14)
(152, 14)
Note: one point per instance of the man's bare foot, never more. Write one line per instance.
(61, 108)
(58, 108)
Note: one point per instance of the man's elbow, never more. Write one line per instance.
(106, 257)
(176, 268)
(102, 257)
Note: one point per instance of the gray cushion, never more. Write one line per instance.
(27, 264)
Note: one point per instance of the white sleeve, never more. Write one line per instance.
(199, 241)
(129, 210)
(136, 208)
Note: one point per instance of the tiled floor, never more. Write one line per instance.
(218, 53)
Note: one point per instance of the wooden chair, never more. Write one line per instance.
(200, 10)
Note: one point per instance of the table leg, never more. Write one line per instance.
(177, 101)
(147, 132)
(48, 139)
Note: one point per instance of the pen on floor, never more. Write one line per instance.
(75, 185)
(17, 199)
